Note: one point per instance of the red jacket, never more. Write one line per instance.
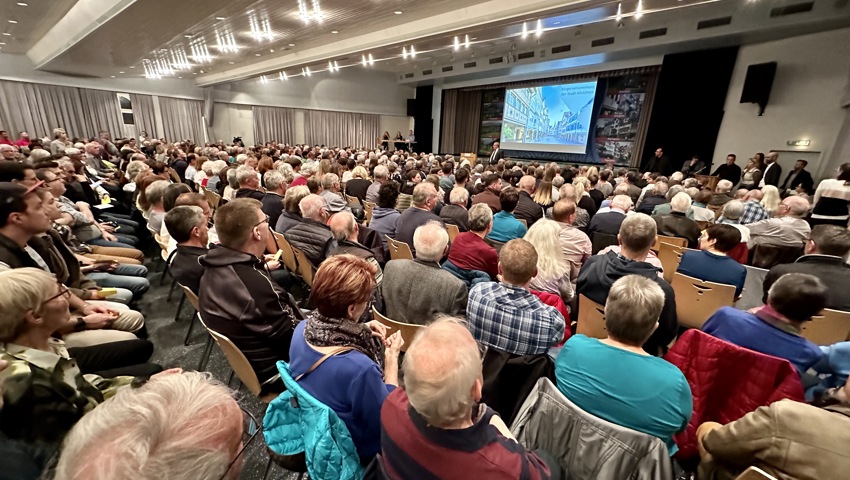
(556, 301)
(728, 382)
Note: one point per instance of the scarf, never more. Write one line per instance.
(323, 331)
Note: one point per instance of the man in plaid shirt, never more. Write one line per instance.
(505, 315)
(753, 210)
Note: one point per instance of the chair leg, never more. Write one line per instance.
(164, 272)
(179, 308)
(230, 379)
(189, 332)
(171, 290)
(205, 356)
(268, 469)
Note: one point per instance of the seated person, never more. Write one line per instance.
(237, 295)
(354, 383)
(291, 214)
(711, 263)
(384, 215)
(505, 315)
(419, 213)
(824, 257)
(505, 226)
(345, 230)
(615, 379)
(436, 424)
(599, 272)
(312, 236)
(787, 439)
(574, 243)
(456, 213)
(469, 251)
(787, 228)
(132, 436)
(415, 291)
(609, 222)
(188, 227)
(676, 223)
(775, 328)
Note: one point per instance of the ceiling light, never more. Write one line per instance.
(2, 43)
(334, 32)
(307, 71)
(371, 60)
(412, 52)
(639, 9)
(112, 76)
(291, 44)
(619, 12)
(120, 72)
(225, 42)
(6, 33)
(283, 76)
(457, 43)
(200, 53)
(263, 79)
(524, 30)
(132, 66)
(22, 4)
(404, 52)
(257, 55)
(539, 28)
(202, 71)
(220, 18)
(13, 21)
(187, 36)
(330, 66)
(398, 12)
(231, 63)
(179, 77)
(261, 30)
(466, 40)
(364, 60)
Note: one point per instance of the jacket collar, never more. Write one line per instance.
(196, 251)
(823, 259)
(349, 243)
(9, 244)
(223, 256)
(470, 439)
(427, 264)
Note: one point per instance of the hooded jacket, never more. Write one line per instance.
(239, 300)
(599, 272)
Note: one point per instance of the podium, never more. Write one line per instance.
(472, 157)
(707, 181)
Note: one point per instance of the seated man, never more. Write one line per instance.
(249, 183)
(238, 297)
(456, 212)
(345, 230)
(722, 194)
(775, 328)
(824, 255)
(188, 227)
(436, 425)
(615, 379)
(505, 315)
(415, 291)
(505, 226)
(273, 199)
(469, 251)
(787, 228)
(312, 236)
(636, 237)
(574, 243)
(676, 223)
(131, 436)
(492, 186)
(711, 263)
(609, 222)
(419, 213)
(330, 193)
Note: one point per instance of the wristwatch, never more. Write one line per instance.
(80, 325)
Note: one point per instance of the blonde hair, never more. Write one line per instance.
(543, 235)
(592, 171)
(581, 184)
(543, 194)
(770, 201)
(360, 172)
(24, 290)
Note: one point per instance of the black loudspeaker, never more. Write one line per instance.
(411, 107)
(758, 83)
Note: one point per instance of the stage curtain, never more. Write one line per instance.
(144, 114)
(274, 124)
(182, 119)
(340, 129)
(37, 109)
(461, 121)
(102, 112)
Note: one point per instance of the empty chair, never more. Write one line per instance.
(591, 318)
(399, 250)
(832, 326)
(697, 300)
(670, 256)
(408, 330)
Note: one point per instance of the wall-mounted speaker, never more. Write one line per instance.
(758, 83)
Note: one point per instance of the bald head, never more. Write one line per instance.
(343, 226)
(527, 184)
(623, 202)
(741, 193)
(794, 207)
(753, 195)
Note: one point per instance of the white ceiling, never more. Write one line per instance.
(34, 19)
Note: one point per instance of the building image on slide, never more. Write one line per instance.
(548, 115)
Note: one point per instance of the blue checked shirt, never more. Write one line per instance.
(753, 212)
(512, 319)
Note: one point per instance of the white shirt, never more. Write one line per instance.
(764, 175)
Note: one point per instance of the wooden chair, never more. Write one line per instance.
(408, 330)
(213, 199)
(755, 473)
(670, 256)
(240, 365)
(708, 181)
(369, 205)
(193, 301)
(523, 222)
(288, 255)
(399, 250)
(832, 326)
(591, 318)
(352, 200)
(368, 208)
(676, 241)
(697, 300)
(495, 244)
(453, 231)
(767, 256)
(306, 270)
(174, 176)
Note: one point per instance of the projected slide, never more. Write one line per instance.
(554, 118)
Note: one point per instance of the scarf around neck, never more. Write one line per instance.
(323, 331)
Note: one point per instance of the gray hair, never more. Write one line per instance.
(558, 181)
(638, 232)
(733, 210)
(681, 202)
(311, 207)
(459, 195)
(244, 173)
(180, 427)
(231, 179)
(72, 151)
(343, 225)
(156, 190)
(273, 179)
(285, 169)
(328, 180)
(632, 309)
(677, 176)
(38, 155)
(623, 202)
(430, 241)
(674, 190)
(217, 166)
(134, 168)
(480, 216)
(724, 186)
(422, 193)
(441, 367)
(690, 182)
(381, 171)
(308, 169)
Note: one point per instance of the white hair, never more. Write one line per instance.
(381, 171)
(677, 176)
(623, 202)
(459, 195)
(286, 170)
(38, 155)
(244, 173)
(724, 186)
(240, 159)
(217, 166)
(177, 427)
(328, 180)
(72, 151)
(430, 241)
(422, 192)
(311, 207)
(551, 264)
(273, 179)
(681, 202)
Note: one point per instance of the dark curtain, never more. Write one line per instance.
(461, 121)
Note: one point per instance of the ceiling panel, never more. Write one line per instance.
(33, 19)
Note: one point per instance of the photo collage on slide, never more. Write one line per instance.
(618, 123)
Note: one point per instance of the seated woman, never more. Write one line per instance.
(615, 379)
(354, 383)
(384, 215)
(711, 263)
(553, 269)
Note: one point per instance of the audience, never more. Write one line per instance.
(506, 316)
(656, 194)
(575, 244)
(637, 235)
(384, 215)
(274, 197)
(469, 251)
(382, 176)
(424, 200)
(249, 183)
(490, 194)
(456, 213)
(312, 235)
(615, 379)
(437, 423)
(188, 227)
(527, 209)
(608, 223)
(505, 225)
(331, 194)
(832, 199)
(414, 291)
(788, 228)
(753, 209)
(712, 263)
(722, 194)
(676, 224)
(345, 231)
(291, 214)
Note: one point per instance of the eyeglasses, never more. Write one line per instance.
(250, 429)
(265, 220)
(63, 292)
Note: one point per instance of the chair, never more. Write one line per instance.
(697, 300)
(351, 199)
(403, 202)
(755, 473)
(601, 241)
(408, 330)
(369, 205)
(768, 256)
(193, 301)
(368, 213)
(676, 241)
(399, 250)
(213, 199)
(523, 222)
(708, 181)
(240, 365)
(174, 176)
(453, 231)
(832, 326)
(752, 295)
(306, 270)
(591, 318)
(495, 244)
(288, 255)
(670, 256)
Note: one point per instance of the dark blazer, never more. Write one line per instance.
(803, 178)
(661, 165)
(272, 206)
(772, 174)
(456, 215)
(676, 224)
(832, 271)
(597, 196)
(415, 291)
(356, 187)
(606, 222)
(185, 267)
(494, 159)
(691, 170)
(527, 209)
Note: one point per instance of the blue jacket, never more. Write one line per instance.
(296, 422)
(469, 277)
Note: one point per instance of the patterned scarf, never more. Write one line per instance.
(322, 331)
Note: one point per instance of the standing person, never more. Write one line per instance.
(496, 154)
(659, 163)
(832, 199)
(729, 171)
(772, 171)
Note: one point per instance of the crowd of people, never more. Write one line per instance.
(501, 253)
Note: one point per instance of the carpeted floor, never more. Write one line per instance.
(168, 335)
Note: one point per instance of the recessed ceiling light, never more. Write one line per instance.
(188, 35)
(220, 18)
(2, 43)
(271, 50)
(334, 31)
(22, 4)
(398, 12)
(132, 66)
(179, 77)
(194, 73)
(6, 33)
(13, 21)
(120, 72)
(256, 54)
(112, 76)
(230, 63)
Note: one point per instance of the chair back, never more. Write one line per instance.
(240, 364)
(697, 300)
(708, 181)
(306, 270)
(190, 295)
(288, 255)
(408, 330)
(676, 241)
(403, 202)
(352, 200)
(768, 256)
(399, 250)
(174, 176)
(523, 222)
(601, 241)
(755, 473)
(832, 326)
(453, 231)
(369, 205)
(670, 256)
(591, 318)
(213, 199)
(495, 244)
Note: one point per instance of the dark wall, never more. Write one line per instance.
(422, 121)
(688, 105)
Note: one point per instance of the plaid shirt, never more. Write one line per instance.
(753, 212)
(511, 319)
